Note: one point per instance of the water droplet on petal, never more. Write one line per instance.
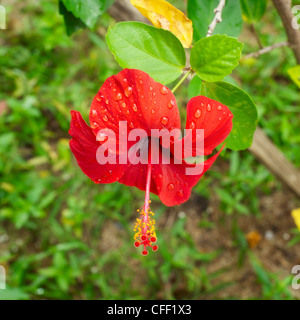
(192, 125)
(151, 88)
(141, 82)
(114, 90)
(208, 107)
(171, 186)
(160, 176)
(219, 108)
(124, 105)
(152, 111)
(180, 193)
(171, 104)
(102, 137)
(98, 99)
(220, 119)
(198, 113)
(105, 118)
(134, 107)
(94, 113)
(106, 101)
(95, 125)
(164, 90)
(128, 92)
(164, 120)
(127, 111)
(131, 125)
(125, 80)
(119, 96)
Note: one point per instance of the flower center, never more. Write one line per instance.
(145, 226)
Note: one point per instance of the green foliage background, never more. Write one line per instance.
(61, 236)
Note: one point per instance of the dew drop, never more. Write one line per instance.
(125, 80)
(154, 94)
(134, 107)
(171, 104)
(128, 92)
(105, 118)
(164, 90)
(114, 90)
(119, 96)
(131, 125)
(98, 99)
(164, 120)
(177, 182)
(151, 88)
(102, 137)
(127, 111)
(94, 113)
(208, 107)
(219, 108)
(95, 125)
(124, 105)
(106, 101)
(220, 119)
(198, 113)
(180, 193)
(152, 111)
(141, 82)
(192, 125)
(160, 176)
(171, 186)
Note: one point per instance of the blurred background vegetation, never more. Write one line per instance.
(63, 237)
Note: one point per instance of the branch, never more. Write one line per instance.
(217, 19)
(284, 8)
(265, 50)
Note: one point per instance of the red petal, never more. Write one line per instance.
(174, 185)
(136, 176)
(133, 96)
(212, 116)
(84, 147)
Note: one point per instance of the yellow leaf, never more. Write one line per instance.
(294, 73)
(296, 216)
(163, 15)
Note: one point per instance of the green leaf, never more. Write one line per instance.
(253, 10)
(243, 109)
(155, 51)
(213, 58)
(88, 11)
(202, 14)
(71, 22)
(294, 73)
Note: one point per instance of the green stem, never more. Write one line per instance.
(202, 89)
(181, 80)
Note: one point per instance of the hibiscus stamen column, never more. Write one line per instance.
(145, 226)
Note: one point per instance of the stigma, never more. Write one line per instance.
(144, 228)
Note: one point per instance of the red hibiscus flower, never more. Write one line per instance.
(144, 104)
